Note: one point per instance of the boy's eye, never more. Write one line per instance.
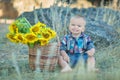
(73, 24)
(79, 25)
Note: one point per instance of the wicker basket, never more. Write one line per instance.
(48, 56)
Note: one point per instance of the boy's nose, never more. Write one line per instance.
(76, 26)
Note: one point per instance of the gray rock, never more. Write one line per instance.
(98, 21)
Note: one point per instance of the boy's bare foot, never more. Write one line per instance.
(96, 70)
(66, 69)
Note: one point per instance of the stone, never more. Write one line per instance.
(100, 26)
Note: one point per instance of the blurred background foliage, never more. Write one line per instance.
(11, 9)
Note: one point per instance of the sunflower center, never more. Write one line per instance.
(20, 37)
(46, 35)
(31, 37)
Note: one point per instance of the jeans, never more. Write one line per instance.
(74, 58)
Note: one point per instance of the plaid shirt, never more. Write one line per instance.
(72, 45)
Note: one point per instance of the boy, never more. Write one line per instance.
(76, 44)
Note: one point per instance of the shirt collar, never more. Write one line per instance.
(81, 36)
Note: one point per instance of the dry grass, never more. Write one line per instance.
(13, 66)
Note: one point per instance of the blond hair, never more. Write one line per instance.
(78, 16)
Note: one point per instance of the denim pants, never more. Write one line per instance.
(74, 58)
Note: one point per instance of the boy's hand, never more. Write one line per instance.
(66, 58)
(91, 52)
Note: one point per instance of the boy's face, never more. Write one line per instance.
(77, 25)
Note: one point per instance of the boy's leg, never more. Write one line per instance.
(91, 64)
(65, 66)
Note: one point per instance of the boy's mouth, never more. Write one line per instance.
(75, 30)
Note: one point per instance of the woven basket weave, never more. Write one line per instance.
(48, 57)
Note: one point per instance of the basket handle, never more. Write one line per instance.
(58, 40)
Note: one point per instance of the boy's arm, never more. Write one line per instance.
(91, 52)
(63, 45)
(90, 47)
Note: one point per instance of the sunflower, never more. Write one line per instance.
(11, 37)
(22, 31)
(46, 35)
(41, 25)
(31, 37)
(20, 38)
(43, 41)
(35, 29)
(52, 33)
(13, 28)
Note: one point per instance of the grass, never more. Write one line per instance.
(14, 66)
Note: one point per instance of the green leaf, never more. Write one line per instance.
(31, 45)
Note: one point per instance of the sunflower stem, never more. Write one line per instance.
(31, 45)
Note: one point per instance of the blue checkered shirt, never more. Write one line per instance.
(72, 45)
